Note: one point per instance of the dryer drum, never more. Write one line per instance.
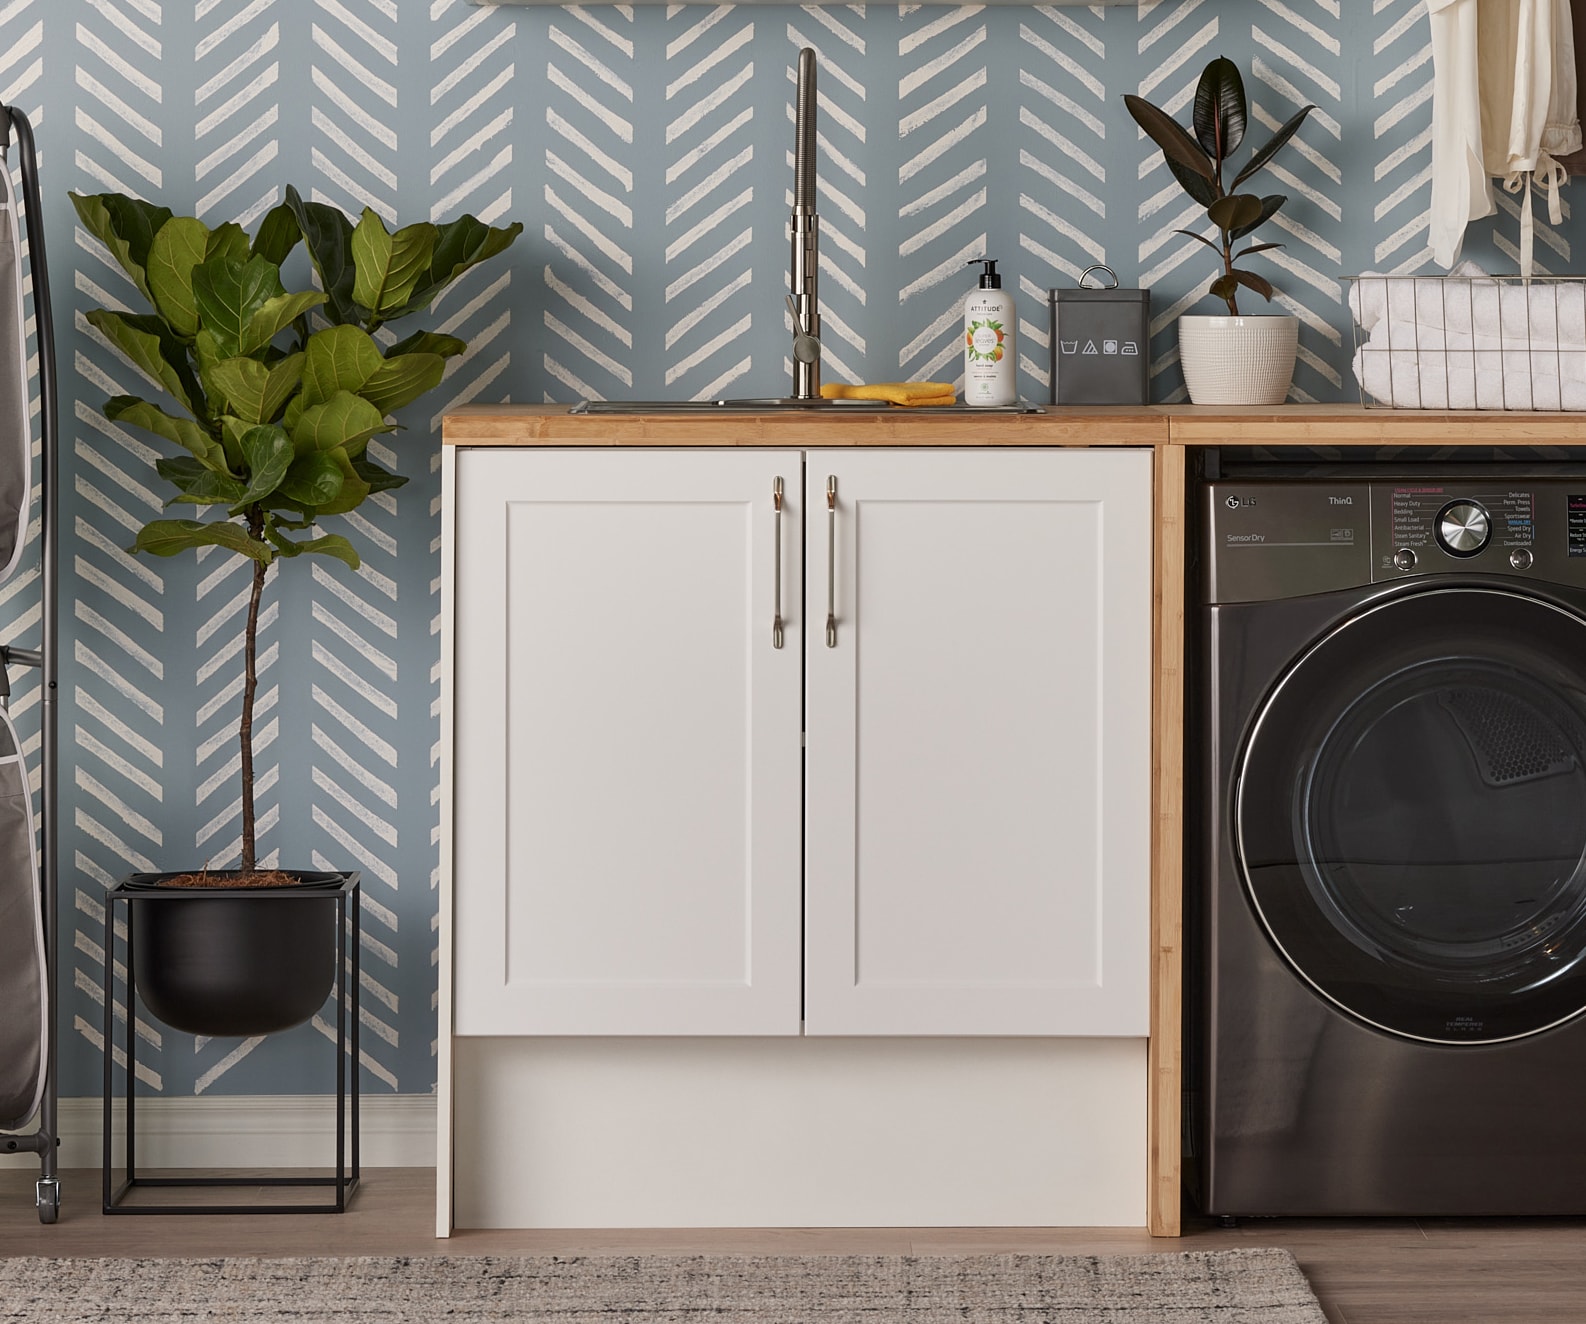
(1411, 816)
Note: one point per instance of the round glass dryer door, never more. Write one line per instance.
(1411, 815)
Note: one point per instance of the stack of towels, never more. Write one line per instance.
(1471, 342)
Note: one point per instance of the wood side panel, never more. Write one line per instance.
(1165, 1056)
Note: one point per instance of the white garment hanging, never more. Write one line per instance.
(1503, 104)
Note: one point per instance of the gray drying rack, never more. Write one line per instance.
(44, 1139)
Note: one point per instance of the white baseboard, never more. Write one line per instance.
(249, 1131)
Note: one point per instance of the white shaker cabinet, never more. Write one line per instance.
(643, 847)
(627, 770)
(978, 716)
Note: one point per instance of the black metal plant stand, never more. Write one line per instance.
(346, 897)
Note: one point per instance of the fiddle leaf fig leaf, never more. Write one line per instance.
(229, 293)
(268, 452)
(338, 358)
(344, 421)
(459, 245)
(388, 266)
(254, 392)
(175, 251)
(150, 347)
(228, 240)
(353, 488)
(273, 316)
(328, 234)
(278, 234)
(313, 479)
(428, 342)
(167, 537)
(126, 226)
(400, 381)
(331, 544)
(183, 431)
(1220, 108)
(378, 478)
(199, 485)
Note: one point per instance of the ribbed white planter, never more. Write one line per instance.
(1238, 360)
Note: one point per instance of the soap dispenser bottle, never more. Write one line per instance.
(990, 361)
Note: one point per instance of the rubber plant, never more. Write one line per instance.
(1198, 159)
(271, 394)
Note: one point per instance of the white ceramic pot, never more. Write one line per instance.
(1238, 360)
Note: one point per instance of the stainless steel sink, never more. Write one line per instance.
(778, 405)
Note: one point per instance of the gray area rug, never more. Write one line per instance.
(1192, 1287)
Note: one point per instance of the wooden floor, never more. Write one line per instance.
(1518, 1271)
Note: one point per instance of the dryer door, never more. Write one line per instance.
(1410, 815)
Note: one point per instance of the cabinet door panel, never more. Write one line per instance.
(627, 786)
(978, 760)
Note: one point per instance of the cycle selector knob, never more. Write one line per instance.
(1463, 528)
(1404, 559)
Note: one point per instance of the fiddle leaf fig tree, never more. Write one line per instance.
(1197, 161)
(268, 395)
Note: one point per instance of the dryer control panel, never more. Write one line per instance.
(1271, 539)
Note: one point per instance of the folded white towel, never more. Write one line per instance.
(1407, 378)
(1513, 314)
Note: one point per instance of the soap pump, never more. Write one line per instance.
(990, 361)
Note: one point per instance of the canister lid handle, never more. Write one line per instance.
(1099, 266)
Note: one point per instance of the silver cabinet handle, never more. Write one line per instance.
(776, 620)
(831, 561)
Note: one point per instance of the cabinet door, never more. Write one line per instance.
(627, 743)
(978, 742)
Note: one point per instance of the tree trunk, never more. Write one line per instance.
(250, 683)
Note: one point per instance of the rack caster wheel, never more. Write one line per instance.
(48, 1199)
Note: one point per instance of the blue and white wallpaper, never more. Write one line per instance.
(648, 152)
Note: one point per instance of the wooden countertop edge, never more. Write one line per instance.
(1148, 425)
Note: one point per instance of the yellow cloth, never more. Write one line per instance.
(909, 394)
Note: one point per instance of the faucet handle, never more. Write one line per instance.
(806, 348)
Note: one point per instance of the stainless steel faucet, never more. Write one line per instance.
(803, 302)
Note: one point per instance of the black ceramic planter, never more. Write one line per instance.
(229, 962)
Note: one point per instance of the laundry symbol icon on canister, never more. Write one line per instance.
(1069, 346)
(1129, 347)
(1090, 347)
(1109, 346)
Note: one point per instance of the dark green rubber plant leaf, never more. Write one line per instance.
(1256, 248)
(313, 480)
(1260, 284)
(1235, 212)
(268, 452)
(1204, 191)
(278, 234)
(183, 431)
(126, 226)
(1270, 205)
(1167, 134)
(400, 381)
(1200, 238)
(388, 266)
(328, 234)
(167, 537)
(1269, 149)
(176, 250)
(1220, 109)
(229, 293)
(150, 347)
(338, 358)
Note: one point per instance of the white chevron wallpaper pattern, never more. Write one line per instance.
(648, 152)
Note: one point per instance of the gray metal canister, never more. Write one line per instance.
(1100, 343)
